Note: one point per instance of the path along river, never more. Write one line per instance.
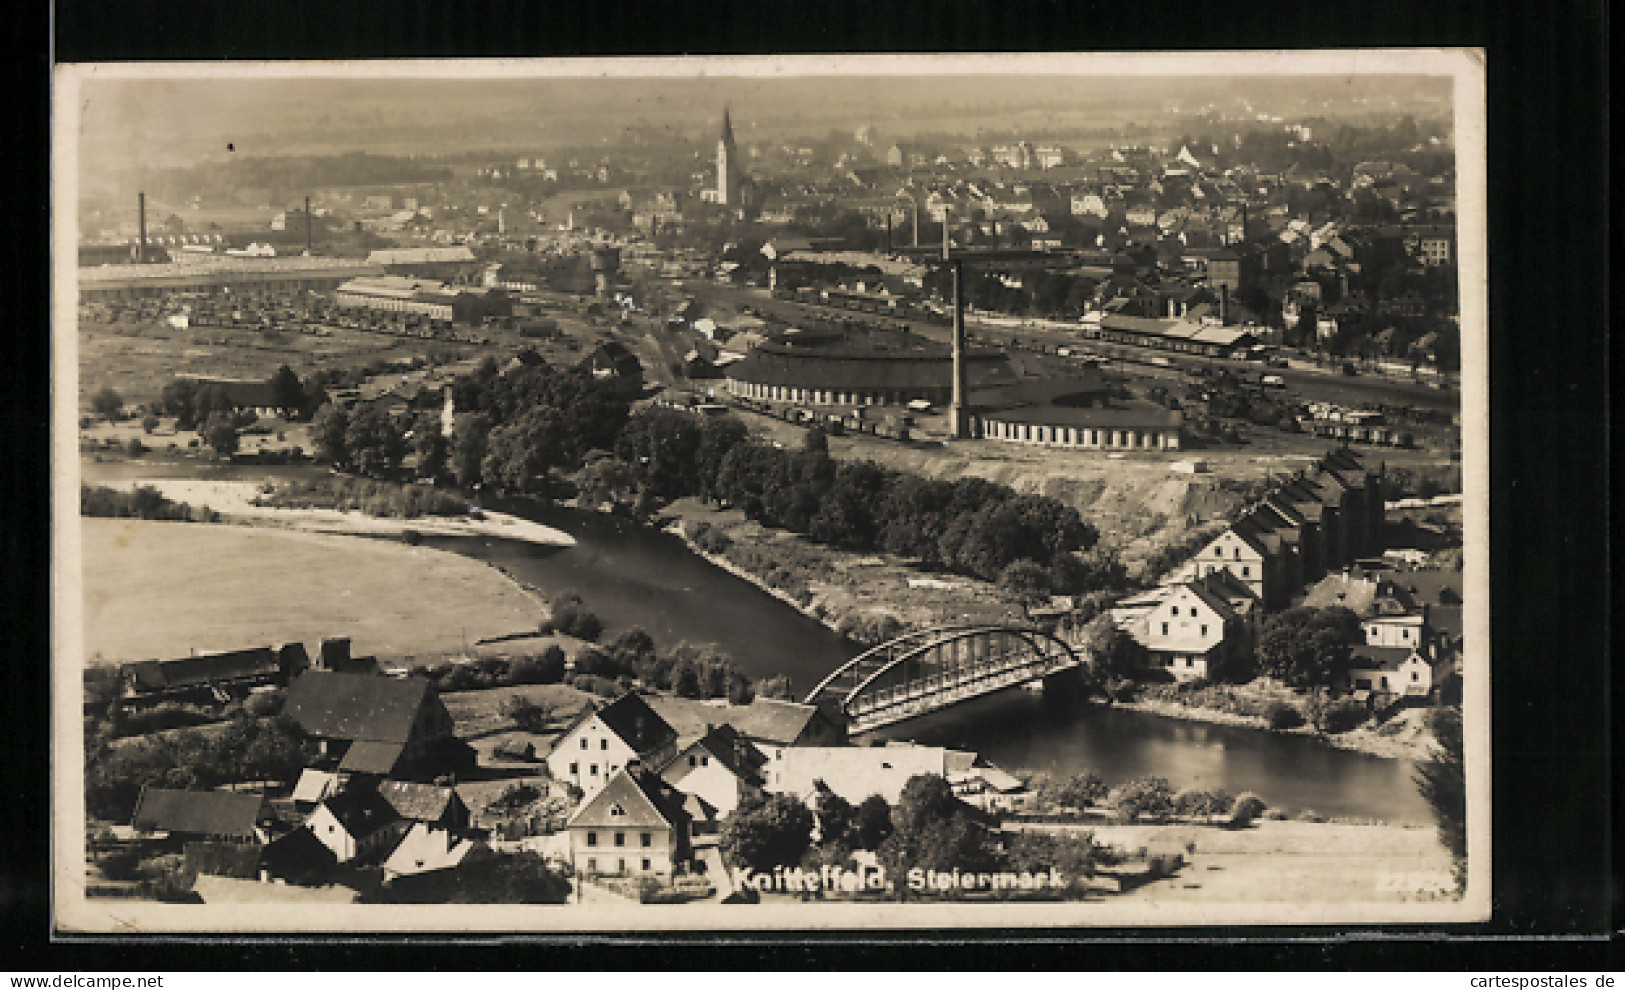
(634, 576)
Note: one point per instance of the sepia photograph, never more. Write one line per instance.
(779, 493)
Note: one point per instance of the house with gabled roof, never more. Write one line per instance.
(356, 823)
(1198, 626)
(374, 725)
(636, 823)
(603, 741)
(772, 724)
(202, 815)
(425, 849)
(721, 767)
(428, 804)
(1394, 670)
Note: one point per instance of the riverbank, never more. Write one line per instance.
(867, 596)
(1402, 737)
(168, 589)
(236, 500)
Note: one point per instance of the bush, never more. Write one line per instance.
(1247, 807)
(262, 703)
(1192, 801)
(1151, 797)
(1333, 717)
(1283, 716)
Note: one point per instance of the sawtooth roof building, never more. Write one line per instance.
(212, 273)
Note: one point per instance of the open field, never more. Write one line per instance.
(137, 361)
(163, 589)
(1301, 862)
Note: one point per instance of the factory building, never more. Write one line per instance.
(397, 294)
(1077, 412)
(855, 368)
(214, 273)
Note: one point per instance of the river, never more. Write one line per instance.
(633, 576)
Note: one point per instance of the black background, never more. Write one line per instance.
(1551, 601)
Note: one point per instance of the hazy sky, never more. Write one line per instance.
(178, 120)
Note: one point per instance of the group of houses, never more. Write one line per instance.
(654, 794)
(379, 793)
(655, 777)
(1322, 521)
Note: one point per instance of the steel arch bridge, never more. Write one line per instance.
(931, 669)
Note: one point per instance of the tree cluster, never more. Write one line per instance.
(142, 502)
(530, 421)
(968, 526)
(192, 759)
(1306, 646)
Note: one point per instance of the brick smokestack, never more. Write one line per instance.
(141, 212)
(308, 249)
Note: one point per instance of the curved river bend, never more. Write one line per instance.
(633, 576)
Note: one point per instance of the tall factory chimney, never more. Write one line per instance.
(141, 209)
(944, 235)
(959, 411)
(916, 203)
(888, 232)
(309, 250)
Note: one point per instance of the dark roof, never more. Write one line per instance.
(297, 854)
(420, 802)
(1084, 386)
(642, 798)
(1379, 657)
(160, 809)
(638, 725)
(1121, 417)
(767, 720)
(733, 751)
(1445, 619)
(360, 810)
(356, 706)
(246, 395)
(368, 756)
(877, 361)
(158, 675)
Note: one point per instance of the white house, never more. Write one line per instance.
(1236, 553)
(1395, 670)
(719, 767)
(602, 741)
(854, 772)
(634, 824)
(1402, 631)
(425, 849)
(355, 824)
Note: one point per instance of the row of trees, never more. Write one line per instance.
(968, 526)
(929, 828)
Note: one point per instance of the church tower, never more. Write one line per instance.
(728, 185)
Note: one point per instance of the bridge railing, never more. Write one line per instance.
(1013, 667)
